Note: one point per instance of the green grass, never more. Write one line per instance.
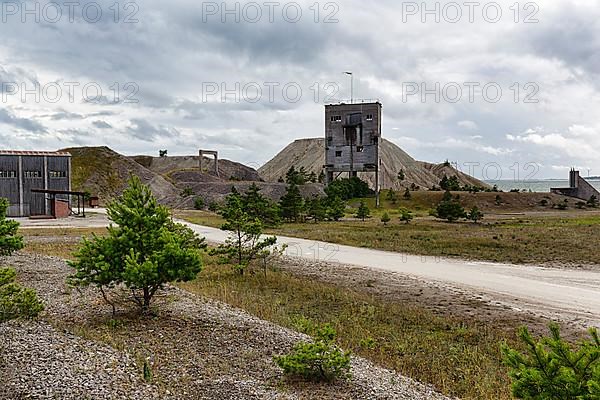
(570, 239)
(531, 240)
(459, 357)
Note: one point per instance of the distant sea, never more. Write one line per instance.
(542, 186)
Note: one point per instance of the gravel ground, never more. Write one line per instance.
(196, 349)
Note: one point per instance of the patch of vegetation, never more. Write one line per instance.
(244, 243)
(551, 370)
(348, 188)
(460, 357)
(143, 251)
(15, 300)
(320, 360)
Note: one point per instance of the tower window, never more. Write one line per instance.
(338, 153)
(369, 117)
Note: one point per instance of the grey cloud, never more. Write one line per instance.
(102, 124)
(22, 123)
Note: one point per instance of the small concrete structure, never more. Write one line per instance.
(210, 153)
(578, 187)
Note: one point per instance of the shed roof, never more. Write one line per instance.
(34, 153)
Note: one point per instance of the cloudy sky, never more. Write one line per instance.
(488, 85)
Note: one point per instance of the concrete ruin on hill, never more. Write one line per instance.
(578, 187)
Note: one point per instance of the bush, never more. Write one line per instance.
(15, 300)
(187, 192)
(406, 216)
(199, 203)
(318, 361)
(213, 206)
(385, 218)
(347, 189)
(475, 214)
(550, 369)
(9, 240)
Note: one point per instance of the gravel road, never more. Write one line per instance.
(567, 294)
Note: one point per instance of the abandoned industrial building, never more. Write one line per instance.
(578, 187)
(36, 183)
(352, 134)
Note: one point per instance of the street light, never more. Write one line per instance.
(351, 86)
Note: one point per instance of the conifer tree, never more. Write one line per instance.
(144, 250)
(244, 243)
(9, 240)
(363, 211)
(292, 204)
(550, 369)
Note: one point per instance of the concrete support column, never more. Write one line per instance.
(46, 205)
(21, 194)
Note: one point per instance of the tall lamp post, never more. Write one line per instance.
(351, 86)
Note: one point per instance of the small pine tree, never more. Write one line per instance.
(261, 207)
(316, 209)
(593, 201)
(551, 369)
(363, 211)
(335, 208)
(407, 195)
(391, 196)
(401, 175)
(9, 240)
(144, 251)
(244, 243)
(450, 208)
(475, 214)
(320, 360)
(199, 203)
(406, 216)
(292, 204)
(385, 218)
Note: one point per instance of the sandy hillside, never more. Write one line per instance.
(310, 154)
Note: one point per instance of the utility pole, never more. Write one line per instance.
(351, 86)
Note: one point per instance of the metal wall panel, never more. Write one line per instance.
(33, 178)
(9, 187)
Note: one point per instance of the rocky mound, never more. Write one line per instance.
(310, 154)
(171, 166)
(104, 173)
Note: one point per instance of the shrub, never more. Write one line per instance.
(15, 300)
(405, 215)
(407, 195)
(348, 188)
(9, 240)
(551, 370)
(187, 192)
(363, 211)
(385, 218)
(317, 361)
(391, 196)
(213, 206)
(145, 249)
(593, 201)
(199, 203)
(475, 214)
